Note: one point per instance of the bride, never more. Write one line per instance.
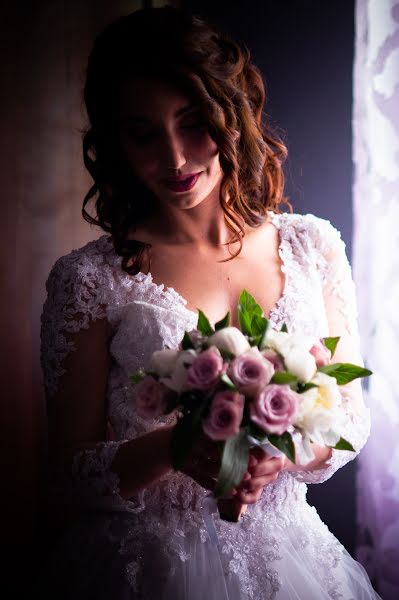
(188, 188)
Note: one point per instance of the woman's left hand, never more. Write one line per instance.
(262, 470)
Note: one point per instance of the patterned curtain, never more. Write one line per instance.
(376, 269)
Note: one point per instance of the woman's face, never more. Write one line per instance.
(167, 144)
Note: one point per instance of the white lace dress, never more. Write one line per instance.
(156, 545)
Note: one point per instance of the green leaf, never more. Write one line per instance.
(343, 444)
(225, 322)
(228, 382)
(184, 434)
(284, 328)
(137, 377)
(284, 443)
(226, 354)
(234, 463)
(263, 340)
(259, 325)
(254, 340)
(249, 304)
(187, 342)
(203, 324)
(331, 343)
(244, 320)
(304, 387)
(247, 309)
(256, 432)
(345, 372)
(282, 377)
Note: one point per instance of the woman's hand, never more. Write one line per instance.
(204, 461)
(262, 470)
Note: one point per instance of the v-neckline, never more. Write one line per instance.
(171, 293)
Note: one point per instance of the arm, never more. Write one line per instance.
(341, 315)
(86, 470)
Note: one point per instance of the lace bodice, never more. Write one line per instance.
(89, 284)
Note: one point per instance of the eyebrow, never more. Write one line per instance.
(140, 119)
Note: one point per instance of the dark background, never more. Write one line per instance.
(304, 49)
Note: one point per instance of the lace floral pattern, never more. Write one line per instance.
(89, 284)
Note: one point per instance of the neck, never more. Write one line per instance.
(203, 226)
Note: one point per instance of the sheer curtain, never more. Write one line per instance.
(376, 268)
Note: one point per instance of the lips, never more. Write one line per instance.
(182, 183)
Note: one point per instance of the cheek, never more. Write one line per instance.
(203, 148)
(142, 161)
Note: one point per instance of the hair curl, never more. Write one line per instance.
(169, 42)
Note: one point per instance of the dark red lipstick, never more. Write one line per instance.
(182, 183)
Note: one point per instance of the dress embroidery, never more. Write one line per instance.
(162, 521)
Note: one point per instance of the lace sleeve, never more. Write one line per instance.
(341, 311)
(73, 301)
(76, 299)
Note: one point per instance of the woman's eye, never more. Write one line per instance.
(138, 136)
(194, 125)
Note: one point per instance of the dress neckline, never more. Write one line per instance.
(169, 293)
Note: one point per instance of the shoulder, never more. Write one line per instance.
(79, 285)
(83, 265)
(308, 233)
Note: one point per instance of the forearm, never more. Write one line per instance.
(141, 462)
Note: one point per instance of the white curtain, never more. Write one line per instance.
(376, 269)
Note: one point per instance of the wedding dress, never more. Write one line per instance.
(157, 544)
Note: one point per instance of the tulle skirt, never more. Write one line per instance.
(88, 565)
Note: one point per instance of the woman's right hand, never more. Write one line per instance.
(203, 462)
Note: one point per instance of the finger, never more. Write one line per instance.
(267, 465)
(253, 461)
(267, 468)
(249, 497)
(257, 453)
(257, 483)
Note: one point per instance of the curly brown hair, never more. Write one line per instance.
(169, 42)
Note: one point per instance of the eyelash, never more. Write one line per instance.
(144, 137)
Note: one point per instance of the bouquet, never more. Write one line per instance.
(246, 386)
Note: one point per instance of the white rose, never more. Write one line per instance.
(178, 379)
(230, 339)
(163, 361)
(276, 339)
(319, 413)
(295, 351)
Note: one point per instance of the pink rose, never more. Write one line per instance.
(225, 415)
(275, 358)
(205, 370)
(251, 372)
(321, 353)
(151, 398)
(274, 410)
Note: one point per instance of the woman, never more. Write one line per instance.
(188, 183)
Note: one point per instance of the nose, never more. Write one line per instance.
(173, 155)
